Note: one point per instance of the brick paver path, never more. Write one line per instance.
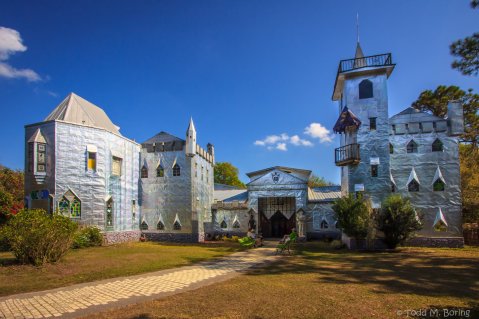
(82, 299)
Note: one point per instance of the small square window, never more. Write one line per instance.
(116, 166)
(372, 123)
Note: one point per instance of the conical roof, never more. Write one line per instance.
(75, 109)
(359, 52)
(191, 127)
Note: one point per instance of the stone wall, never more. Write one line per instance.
(171, 237)
(111, 238)
(449, 242)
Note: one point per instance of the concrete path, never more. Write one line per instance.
(83, 299)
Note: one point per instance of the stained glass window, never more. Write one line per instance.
(75, 208)
(41, 153)
(109, 213)
(91, 161)
(64, 207)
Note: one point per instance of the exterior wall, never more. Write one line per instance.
(373, 143)
(425, 163)
(48, 132)
(166, 196)
(316, 213)
(67, 170)
(112, 237)
(93, 188)
(229, 212)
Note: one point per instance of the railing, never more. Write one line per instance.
(368, 61)
(348, 154)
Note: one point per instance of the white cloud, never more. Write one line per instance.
(11, 43)
(281, 147)
(296, 140)
(280, 142)
(316, 130)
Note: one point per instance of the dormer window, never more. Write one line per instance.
(437, 146)
(365, 89)
(412, 147)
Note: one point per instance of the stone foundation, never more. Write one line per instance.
(362, 244)
(116, 237)
(171, 237)
(323, 235)
(448, 242)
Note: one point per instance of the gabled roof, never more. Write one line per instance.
(163, 137)
(281, 168)
(346, 119)
(415, 115)
(75, 109)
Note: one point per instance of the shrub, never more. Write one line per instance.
(87, 236)
(36, 237)
(397, 219)
(353, 216)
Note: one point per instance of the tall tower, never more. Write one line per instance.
(191, 139)
(361, 91)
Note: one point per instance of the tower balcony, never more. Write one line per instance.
(380, 60)
(347, 155)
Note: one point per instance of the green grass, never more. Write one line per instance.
(320, 282)
(96, 263)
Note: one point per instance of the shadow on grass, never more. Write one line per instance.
(418, 272)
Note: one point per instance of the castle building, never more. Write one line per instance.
(412, 153)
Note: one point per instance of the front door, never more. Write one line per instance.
(279, 225)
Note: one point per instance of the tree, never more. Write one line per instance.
(353, 216)
(226, 173)
(317, 181)
(467, 51)
(436, 101)
(469, 182)
(11, 193)
(397, 219)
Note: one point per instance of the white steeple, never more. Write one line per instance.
(191, 139)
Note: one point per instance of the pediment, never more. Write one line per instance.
(276, 177)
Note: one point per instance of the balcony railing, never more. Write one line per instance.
(368, 61)
(346, 155)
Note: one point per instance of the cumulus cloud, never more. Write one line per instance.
(280, 142)
(11, 43)
(316, 130)
(281, 147)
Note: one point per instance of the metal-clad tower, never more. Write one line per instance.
(361, 90)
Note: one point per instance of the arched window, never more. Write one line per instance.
(437, 146)
(391, 148)
(236, 224)
(365, 89)
(324, 224)
(412, 147)
(223, 224)
(64, 207)
(144, 225)
(438, 185)
(413, 186)
(160, 171)
(75, 209)
(177, 225)
(144, 172)
(176, 170)
(160, 225)
(440, 226)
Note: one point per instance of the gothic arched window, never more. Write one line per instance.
(160, 171)
(236, 224)
(437, 145)
(144, 172)
(176, 170)
(177, 225)
(412, 147)
(223, 224)
(160, 225)
(413, 186)
(324, 224)
(144, 225)
(438, 185)
(64, 207)
(365, 89)
(75, 208)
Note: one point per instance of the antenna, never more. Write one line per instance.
(357, 26)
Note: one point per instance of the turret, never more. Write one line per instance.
(191, 139)
(455, 118)
(211, 151)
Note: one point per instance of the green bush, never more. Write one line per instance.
(353, 216)
(36, 237)
(88, 236)
(397, 220)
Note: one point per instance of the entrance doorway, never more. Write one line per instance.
(276, 208)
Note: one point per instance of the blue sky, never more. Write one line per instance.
(244, 70)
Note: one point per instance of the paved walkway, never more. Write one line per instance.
(82, 299)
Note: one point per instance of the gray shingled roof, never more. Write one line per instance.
(324, 193)
(163, 137)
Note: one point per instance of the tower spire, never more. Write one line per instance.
(357, 26)
(359, 52)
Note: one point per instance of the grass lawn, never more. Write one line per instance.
(96, 263)
(319, 282)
